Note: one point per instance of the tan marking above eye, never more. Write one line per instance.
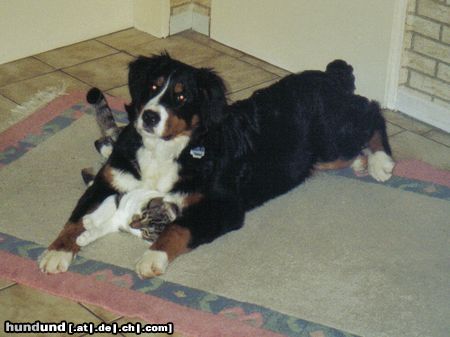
(157, 84)
(159, 81)
(195, 121)
(178, 88)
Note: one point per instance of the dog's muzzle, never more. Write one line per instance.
(150, 119)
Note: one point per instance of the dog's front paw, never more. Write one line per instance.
(89, 222)
(152, 263)
(380, 166)
(55, 261)
(86, 238)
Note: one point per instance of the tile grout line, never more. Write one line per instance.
(8, 99)
(32, 77)
(420, 135)
(249, 87)
(38, 59)
(7, 287)
(76, 78)
(98, 316)
(396, 134)
(106, 45)
(92, 60)
(235, 51)
(238, 57)
(82, 62)
(260, 67)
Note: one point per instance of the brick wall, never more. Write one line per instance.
(426, 55)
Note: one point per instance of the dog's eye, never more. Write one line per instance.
(181, 98)
(157, 84)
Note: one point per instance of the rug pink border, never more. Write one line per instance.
(33, 123)
(187, 321)
(418, 170)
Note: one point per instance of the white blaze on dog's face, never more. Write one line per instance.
(153, 117)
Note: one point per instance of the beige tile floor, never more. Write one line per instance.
(89, 63)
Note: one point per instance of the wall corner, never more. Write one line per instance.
(152, 16)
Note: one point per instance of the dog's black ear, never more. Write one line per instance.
(139, 73)
(214, 101)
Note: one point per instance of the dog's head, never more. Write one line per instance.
(170, 98)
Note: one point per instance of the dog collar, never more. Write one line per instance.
(198, 152)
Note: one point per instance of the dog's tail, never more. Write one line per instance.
(103, 114)
(343, 74)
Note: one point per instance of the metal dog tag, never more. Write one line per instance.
(198, 152)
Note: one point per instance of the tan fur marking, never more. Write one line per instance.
(178, 88)
(334, 165)
(173, 240)
(160, 81)
(107, 174)
(66, 240)
(175, 126)
(195, 121)
(192, 199)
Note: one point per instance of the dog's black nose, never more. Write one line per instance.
(150, 118)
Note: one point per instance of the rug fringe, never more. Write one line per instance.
(40, 99)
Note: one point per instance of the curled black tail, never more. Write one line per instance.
(343, 74)
(103, 114)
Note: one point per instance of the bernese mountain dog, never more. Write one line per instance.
(214, 160)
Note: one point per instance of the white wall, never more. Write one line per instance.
(304, 34)
(152, 16)
(29, 27)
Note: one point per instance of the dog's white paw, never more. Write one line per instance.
(88, 222)
(380, 166)
(359, 165)
(55, 261)
(85, 238)
(152, 263)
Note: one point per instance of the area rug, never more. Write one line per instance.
(340, 250)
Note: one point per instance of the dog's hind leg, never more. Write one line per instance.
(358, 164)
(333, 165)
(380, 163)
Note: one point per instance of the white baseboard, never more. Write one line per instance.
(189, 20)
(200, 23)
(180, 22)
(423, 110)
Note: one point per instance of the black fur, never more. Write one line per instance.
(255, 149)
(261, 147)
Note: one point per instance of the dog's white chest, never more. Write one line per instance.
(158, 163)
(157, 173)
